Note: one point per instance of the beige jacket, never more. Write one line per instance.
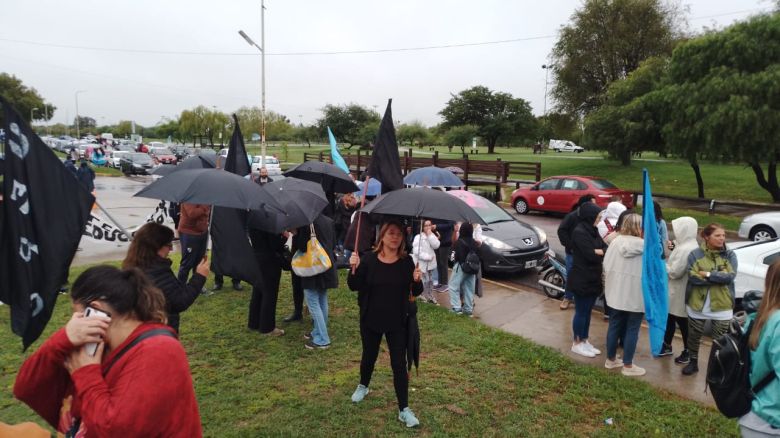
(677, 264)
(623, 274)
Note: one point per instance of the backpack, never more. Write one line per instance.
(472, 264)
(728, 372)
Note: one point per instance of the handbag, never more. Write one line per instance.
(314, 261)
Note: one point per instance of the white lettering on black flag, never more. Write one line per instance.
(44, 211)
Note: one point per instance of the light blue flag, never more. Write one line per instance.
(338, 161)
(654, 277)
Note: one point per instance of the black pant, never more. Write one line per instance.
(262, 306)
(219, 279)
(297, 293)
(681, 322)
(193, 248)
(396, 343)
(442, 265)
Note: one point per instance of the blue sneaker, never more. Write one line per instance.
(360, 393)
(407, 416)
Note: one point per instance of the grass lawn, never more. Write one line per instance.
(474, 381)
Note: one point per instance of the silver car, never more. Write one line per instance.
(760, 226)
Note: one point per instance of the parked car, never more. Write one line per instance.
(136, 163)
(565, 146)
(753, 260)
(271, 165)
(511, 245)
(760, 226)
(116, 156)
(560, 194)
(162, 155)
(223, 153)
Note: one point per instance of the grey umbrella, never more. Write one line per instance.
(432, 176)
(302, 201)
(422, 202)
(199, 162)
(333, 179)
(212, 187)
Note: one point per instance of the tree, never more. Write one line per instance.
(123, 129)
(306, 134)
(495, 114)
(625, 124)
(460, 136)
(85, 122)
(277, 126)
(605, 41)
(413, 133)
(559, 125)
(720, 98)
(24, 99)
(348, 123)
(201, 121)
(170, 129)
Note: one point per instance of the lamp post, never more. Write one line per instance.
(546, 68)
(46, 110)
(32, 115)
(78, 128)
(261, 47)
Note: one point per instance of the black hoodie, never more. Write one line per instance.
(585, 276)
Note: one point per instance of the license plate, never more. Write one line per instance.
(530, 264)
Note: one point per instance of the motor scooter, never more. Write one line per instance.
(552, 275)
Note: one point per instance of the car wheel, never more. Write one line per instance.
(762, 232)
(521, 206)
(553, 277)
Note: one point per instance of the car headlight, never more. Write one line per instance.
(541, 233)
(495, 243)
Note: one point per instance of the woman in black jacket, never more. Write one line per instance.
(149, 252)
(584, 279)
(384, 279)
(269, 251)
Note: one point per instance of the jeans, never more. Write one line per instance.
(583, 305)
(462, 282)
(624, 325)
(193, 248)
(569, 263)
(427, 281)
(435, 276)
(396, 343)
(317, 301)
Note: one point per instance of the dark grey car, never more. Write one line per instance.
(136, 163)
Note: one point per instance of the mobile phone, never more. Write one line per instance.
(91, 312)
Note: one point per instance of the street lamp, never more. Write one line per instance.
(261, 47)
(32, 115)
(546, 68)
(78, 128)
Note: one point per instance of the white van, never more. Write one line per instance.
(271, 165)
(565, 146)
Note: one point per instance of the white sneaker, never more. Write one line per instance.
(359, 394)
(590, 347)
(611, 364)
(633, 371)
(582, 350)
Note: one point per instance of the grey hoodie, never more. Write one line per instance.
(685, 229)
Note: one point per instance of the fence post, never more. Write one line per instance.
(506, 173)
(538, 172)
(436, 158)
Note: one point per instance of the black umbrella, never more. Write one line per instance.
(199, 162)
(302, 201)
(423, 203)
(412, 336)
(432, 176)
(333, 179)
(212, 187)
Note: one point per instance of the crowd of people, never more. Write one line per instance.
(391, 265)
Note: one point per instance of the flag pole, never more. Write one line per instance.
(111, 218)
(360, 216)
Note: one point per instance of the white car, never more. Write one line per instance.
(760, 226)
(753, 260)
(271, 165)
(116, 156)
(565, 146)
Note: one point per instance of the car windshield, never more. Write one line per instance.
(140, 158)
(603, 184)
(268, 160)
(162, 151)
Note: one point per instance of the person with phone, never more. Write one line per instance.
(137, 382)
(149, 252)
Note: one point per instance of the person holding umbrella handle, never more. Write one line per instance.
(386, 281)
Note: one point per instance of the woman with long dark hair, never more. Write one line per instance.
(136, 382)
(384, 280)
(149, 252)
(463, 283)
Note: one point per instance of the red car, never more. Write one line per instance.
(561, 193)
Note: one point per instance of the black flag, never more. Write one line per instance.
(44, 211)
(385, 164)
(232, 254)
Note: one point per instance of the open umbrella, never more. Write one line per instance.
(432, 176)
(332, 179)
(198, 162)
(423, 202)
(212, 187)
(302, 201)
(374, 188)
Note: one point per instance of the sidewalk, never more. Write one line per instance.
(530, 314)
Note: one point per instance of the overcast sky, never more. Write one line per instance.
(209, 63)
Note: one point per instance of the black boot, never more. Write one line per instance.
(295, 316)
(691, 368)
